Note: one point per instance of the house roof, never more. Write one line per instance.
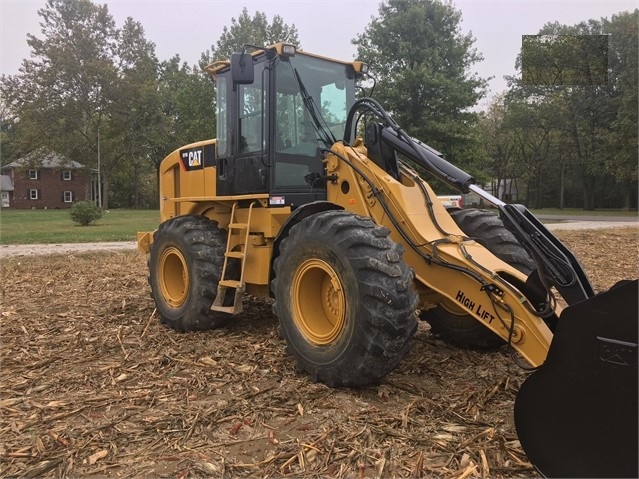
(49, 160)
(5, 183)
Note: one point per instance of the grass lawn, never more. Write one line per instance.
(580, 212)
(55, 226)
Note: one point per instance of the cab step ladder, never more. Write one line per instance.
(235, 229)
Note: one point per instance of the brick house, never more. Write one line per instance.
(51, 181)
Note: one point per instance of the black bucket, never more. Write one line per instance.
(576, 416)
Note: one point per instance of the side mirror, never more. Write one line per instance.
(242, 71)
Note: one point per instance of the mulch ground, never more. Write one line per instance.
(93, 385)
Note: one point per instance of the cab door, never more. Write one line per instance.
(242, 163)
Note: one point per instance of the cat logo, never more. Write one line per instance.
(191, 158)
(195, 158)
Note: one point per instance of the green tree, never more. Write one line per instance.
(624, 78)
(255, 30)
(86, 79)
(560, 59)
(590, 127)
(61, 92)
(533, 139)
(134, 114)
(422, 62)
(498, 140)
(8, 151)
(188, 104)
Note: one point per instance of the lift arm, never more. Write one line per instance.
(556, 264)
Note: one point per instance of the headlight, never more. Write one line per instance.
(288, 50)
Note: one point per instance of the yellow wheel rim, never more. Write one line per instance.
(173, 277)
(318, 302)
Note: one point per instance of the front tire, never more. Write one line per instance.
(462, 329)
(344, 299)
(185, 266)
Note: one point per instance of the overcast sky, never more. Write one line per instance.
(324, 27)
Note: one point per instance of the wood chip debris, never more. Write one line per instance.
(92, 385)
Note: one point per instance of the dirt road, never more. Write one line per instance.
(65, 248)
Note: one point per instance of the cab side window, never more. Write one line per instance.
(251, 112)
(222, 142)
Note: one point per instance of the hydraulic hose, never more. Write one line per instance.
(422, 154)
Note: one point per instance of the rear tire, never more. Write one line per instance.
(488, 229)
(344, 299)
(185, 266)
(463, 329)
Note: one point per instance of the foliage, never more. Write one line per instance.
(134, 186)
(8, 136)
(575, 144)
(187, 103)
(85, 212)
(87, 86)
(498, 142)
(558, 59)
(422, 63)
(622, 142)
(62, 88)
(255, 30)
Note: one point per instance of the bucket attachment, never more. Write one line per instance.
(576, 416)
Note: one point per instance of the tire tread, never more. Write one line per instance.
(386, 323)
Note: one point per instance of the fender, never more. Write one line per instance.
(298, 215)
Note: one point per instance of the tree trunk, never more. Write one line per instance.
(136, 185)
(105, 191)
(562, 186)
(589, 197)
(529, 194)
(537, 203)
(627, 197)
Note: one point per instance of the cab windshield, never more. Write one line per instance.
(313, 97)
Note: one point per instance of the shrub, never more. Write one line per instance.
(85, 212)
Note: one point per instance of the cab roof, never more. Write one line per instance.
(281, 49)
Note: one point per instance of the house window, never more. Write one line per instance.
(68, 196)
(33, 174)
(66, 175)
(33, 194)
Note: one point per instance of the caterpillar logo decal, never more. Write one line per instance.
(191, 158)
(198, 157)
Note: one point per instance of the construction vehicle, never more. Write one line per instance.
(314, 198)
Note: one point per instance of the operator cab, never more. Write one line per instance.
(277, 109)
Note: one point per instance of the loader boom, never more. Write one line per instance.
(556, 265)
(446, 264)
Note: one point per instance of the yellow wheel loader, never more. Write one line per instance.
(316, 199)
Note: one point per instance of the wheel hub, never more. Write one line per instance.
(318, 302)
(173, 277)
